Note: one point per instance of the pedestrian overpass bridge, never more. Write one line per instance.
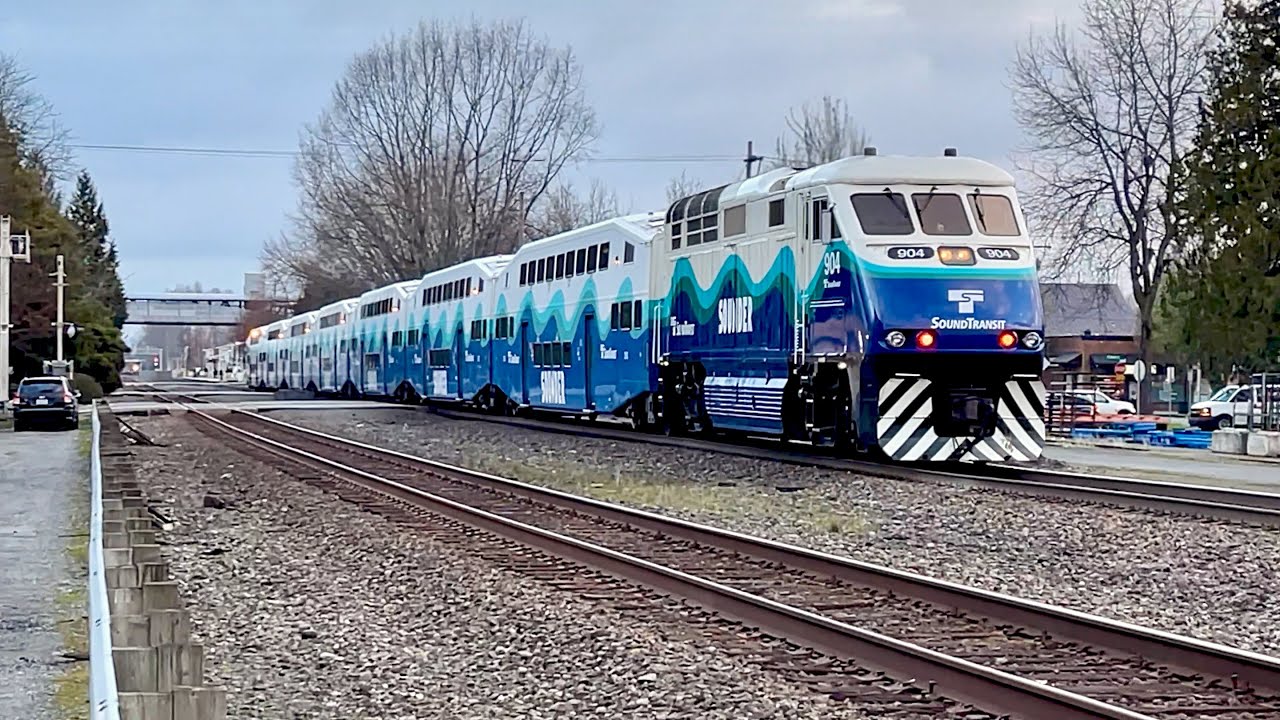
(198, 309)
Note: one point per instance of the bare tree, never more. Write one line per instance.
(682, 186)
(31, 117)
(436, 146)
(819, 134)
(562, 209)
(1109, 110)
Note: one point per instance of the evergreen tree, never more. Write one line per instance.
(1223, 303)
(98, 349)
(98, 252)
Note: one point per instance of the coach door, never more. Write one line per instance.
(524, 362)
(424, 364)
(458, 355)
(588, 346)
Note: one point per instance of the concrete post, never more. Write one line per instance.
(161, 596)
(146, 706)
(168, 627)
(192, 703)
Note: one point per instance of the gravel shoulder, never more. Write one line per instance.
(40, 472)
(1202, 578)
(310, 607)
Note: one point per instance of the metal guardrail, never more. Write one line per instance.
(104, 703)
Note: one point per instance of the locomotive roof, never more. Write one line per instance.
(855, 170)
(900, 169)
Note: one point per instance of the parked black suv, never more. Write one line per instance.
(46, 399)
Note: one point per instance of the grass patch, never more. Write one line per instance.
(644, 491)
(84, 439)
(71, 687)
(71, 692)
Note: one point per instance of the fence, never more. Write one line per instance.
(1067, 404)
(1264, 412)
(104, 701)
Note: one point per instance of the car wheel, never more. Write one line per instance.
(1224, 422)
(1125, 411)
(18, 425)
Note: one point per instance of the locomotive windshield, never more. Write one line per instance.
(941, 214)
(882, 213)
(887, 213)
(994, 214)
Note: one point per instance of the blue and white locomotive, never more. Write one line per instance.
(874, 302)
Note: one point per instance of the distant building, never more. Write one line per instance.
(1089, 327)
(255, 286)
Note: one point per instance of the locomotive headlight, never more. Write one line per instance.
(1007, 339)
(1032, 340)
(926, 339)
(896, 338)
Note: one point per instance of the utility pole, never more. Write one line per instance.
(61, 282)
(12, 247)
(751, 159)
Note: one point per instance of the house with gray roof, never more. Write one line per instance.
(1089, 327)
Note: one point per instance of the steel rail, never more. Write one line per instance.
(988, 688)
(1252, 669)
(1217, 503)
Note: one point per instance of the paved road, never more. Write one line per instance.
(1195, 466)
(39, 471)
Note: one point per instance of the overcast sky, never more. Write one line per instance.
(665, 77)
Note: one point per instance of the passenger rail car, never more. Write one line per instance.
(458, 331)
(873, 302)
(378, 349)
(573, 335)
(327, 370)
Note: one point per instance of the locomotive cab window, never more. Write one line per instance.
(941, 214)
(777, 212)
(994, 214)
(882, 213)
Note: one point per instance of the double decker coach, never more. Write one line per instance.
(326, 369)
(458, 328)
(380, 339)
(571, 332)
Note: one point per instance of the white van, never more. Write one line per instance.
(1228, 407)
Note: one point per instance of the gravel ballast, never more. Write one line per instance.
(310, 607)
(1207, 579)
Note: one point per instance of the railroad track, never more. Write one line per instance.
(1001, 654)
(1226, 504)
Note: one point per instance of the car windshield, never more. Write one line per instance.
(39, 388)
(1222, 394)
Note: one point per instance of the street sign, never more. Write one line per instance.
(1168, 374)
(1139, 371)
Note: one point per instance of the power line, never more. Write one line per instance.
(267, 153)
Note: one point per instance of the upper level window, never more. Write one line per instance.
(994, 214)
(941, 214)
(882, 213)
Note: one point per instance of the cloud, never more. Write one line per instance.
(665, 77)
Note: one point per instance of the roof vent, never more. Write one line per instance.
(949, 152)
(868, 150)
